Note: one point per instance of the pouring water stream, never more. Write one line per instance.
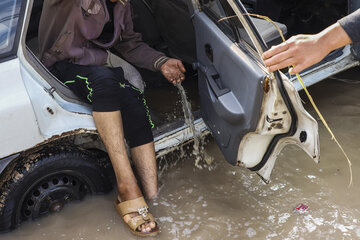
(189, 120)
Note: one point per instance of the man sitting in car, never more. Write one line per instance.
(73, 46)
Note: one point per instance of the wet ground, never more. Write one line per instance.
(232, 203)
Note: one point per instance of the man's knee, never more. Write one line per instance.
(136, 116)
(106, 91)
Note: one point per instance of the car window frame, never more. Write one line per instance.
(229, 30)
(255, 37)
(11, 54)
(235, 36)
(252, 51)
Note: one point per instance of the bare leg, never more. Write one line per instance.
(144, 160)
(109, 126)
(145, 163)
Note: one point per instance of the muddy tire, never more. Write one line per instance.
(45, 181)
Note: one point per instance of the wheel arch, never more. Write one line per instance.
(82, 138)
(87, 146)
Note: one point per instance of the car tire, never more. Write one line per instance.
(45, 181)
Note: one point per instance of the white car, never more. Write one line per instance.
(50, 152)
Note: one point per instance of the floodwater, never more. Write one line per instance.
(229, 202)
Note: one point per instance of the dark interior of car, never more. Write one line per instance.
(166, 26)
(307, 16)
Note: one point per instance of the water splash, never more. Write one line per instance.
(198, 149)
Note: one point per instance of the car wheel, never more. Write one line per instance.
(45, 182)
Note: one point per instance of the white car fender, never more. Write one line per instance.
(275, 119)
(19, 127)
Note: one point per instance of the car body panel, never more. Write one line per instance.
(19, 127)
(168, 141)
(228, 112)
(255, 144)
(51, 117)
(252, 113)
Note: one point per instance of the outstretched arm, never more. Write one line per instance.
(302, 51)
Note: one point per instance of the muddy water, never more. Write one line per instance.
(232, 203)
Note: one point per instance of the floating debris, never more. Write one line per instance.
(301, 208)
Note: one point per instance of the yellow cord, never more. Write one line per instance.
(307, 93)
(327, 127)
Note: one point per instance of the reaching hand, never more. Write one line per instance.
(302, 51)
(173, 70)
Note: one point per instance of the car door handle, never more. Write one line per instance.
(224, 101)
(211, 75)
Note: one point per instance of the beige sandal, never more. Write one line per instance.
(137, 205)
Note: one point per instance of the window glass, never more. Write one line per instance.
(9, 17)
(216, 12)
(223, 15)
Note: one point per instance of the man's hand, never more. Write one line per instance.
(173, 70)
(302, 51)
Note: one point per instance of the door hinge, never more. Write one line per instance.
(50, 91)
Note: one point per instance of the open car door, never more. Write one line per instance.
(251, 113)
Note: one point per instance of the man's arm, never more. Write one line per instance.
(137, 52)
(351, 25)
(302, 51)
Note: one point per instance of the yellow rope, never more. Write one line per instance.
(307, 93)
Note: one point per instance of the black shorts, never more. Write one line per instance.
(107, 90)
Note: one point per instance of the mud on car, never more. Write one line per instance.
(50, 152)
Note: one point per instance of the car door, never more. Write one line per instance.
(251, 113)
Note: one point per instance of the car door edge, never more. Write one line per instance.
(299, 117)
